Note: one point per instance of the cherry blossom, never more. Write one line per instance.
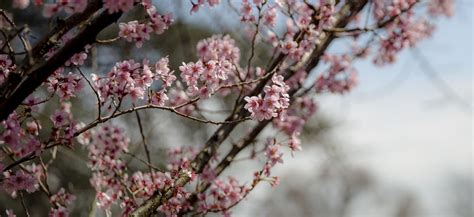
(69, 6)
(118, 5)
(61, 202)
(58, 212)
(15, 137)
(222, 194)
(269, 17)
(273, 104)
(129, 78)
(441, 7)
(273, 154)
(288, 46)
(19, 181)
(5, 67)
(341, 77)
(65, 85)
(138, 32)
(270, 73)
(10, 213)
(21, 4)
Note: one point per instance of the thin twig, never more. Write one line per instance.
(24, 205)
(106, 41)
(379, 25)
(99, 104)
(145, 145)
(144, 162)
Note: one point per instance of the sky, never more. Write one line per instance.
(405, 126)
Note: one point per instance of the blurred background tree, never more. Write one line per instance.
(334, 187)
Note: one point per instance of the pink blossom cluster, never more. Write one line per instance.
(218, 47)
(196, 5)
(61, 203)
(6, 67)
(69, 6)
(108, 143)
(36, 170)
(441, 7)
(20, 141)
(197, 75)
(105, 148)
(389, 8)
(295, 50)
(218, 58)
(180, 157)
(114, 6)
(125, 78)
(297, 80)
(64, 125)
(138, 32)
(132, 79)
(273, 154)
(10, 213)
(407, 29)
(246, 12)
(176, 204)
(303, 14)
(326, 14)
(144, 185)
(270, 17)
(268, 14)
(59, 212)
(113, 184)
(208, 175)
(403, 34)
(221, 196)
(79, 58)
(290, 47)
(19, 181)
(303, 108)
(165, 75)
(224, 194)
(65, 86)
(341, 77)
(21, 4)
(296, 116)
(273, 104)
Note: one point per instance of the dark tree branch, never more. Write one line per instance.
(21, 83)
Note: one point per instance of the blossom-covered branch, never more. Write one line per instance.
(267, 83)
